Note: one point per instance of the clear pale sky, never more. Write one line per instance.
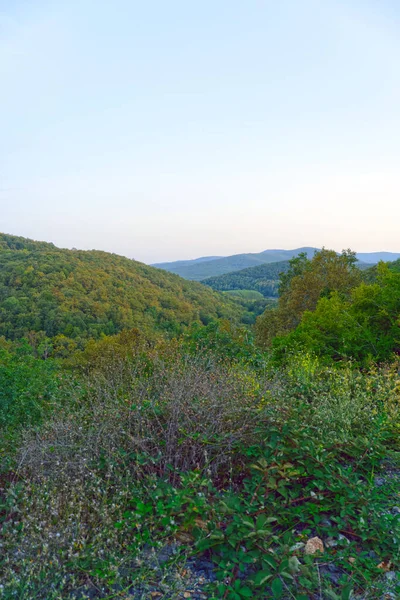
(166, 129)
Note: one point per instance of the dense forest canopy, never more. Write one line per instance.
(49, 292)
(263, 278)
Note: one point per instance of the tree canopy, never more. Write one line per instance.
(70, 296)
(303, 284)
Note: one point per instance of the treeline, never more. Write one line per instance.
(331, 309)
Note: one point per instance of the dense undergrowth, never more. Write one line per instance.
(130, 459)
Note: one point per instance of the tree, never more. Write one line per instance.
(303, 285)
(363, 326)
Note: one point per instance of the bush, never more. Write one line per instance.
(241, 465)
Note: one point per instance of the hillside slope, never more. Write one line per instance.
(213, 266)
(263, 278)
(49, 292)
(198, 271)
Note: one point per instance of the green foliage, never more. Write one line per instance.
(263, 278)
(30, 389)
(252, 302)
(13, 242)
(201, 447)
(103, 354)
(363, 327)
(371, 274)
(296, 488)
(46, 293)
(222, 339)
(245, 294)
(303, 285)
(136, 445)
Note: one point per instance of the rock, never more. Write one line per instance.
(396, 510)
(314, 545)
(391, 575)
(385, 565)
(379, 481)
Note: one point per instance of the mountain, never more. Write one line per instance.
(206, 267)
(46, 291)
(185, 263)
(200, 269)
(375, 257)
(263, 278)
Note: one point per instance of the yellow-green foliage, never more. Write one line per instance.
(46, 292)
(301, 288)
(344, 402)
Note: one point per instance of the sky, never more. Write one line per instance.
(166, 130)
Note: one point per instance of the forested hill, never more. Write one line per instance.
(200, 269)
(47, 292)
(203, 268)
(14, 242)
(263, 279)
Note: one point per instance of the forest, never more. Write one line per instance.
(69, 296)
(161, 439)
(263, 279)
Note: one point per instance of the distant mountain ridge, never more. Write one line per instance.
(185, 263)
(375, 257)
(200, 269)
(205, 267)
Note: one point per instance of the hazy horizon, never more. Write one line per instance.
(204, 255)
(171, 131)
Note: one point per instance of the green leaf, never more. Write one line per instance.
(246, 592)
(271, 562)
(346, 592)
(262, 577)
(277, 588)
(248, 522)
